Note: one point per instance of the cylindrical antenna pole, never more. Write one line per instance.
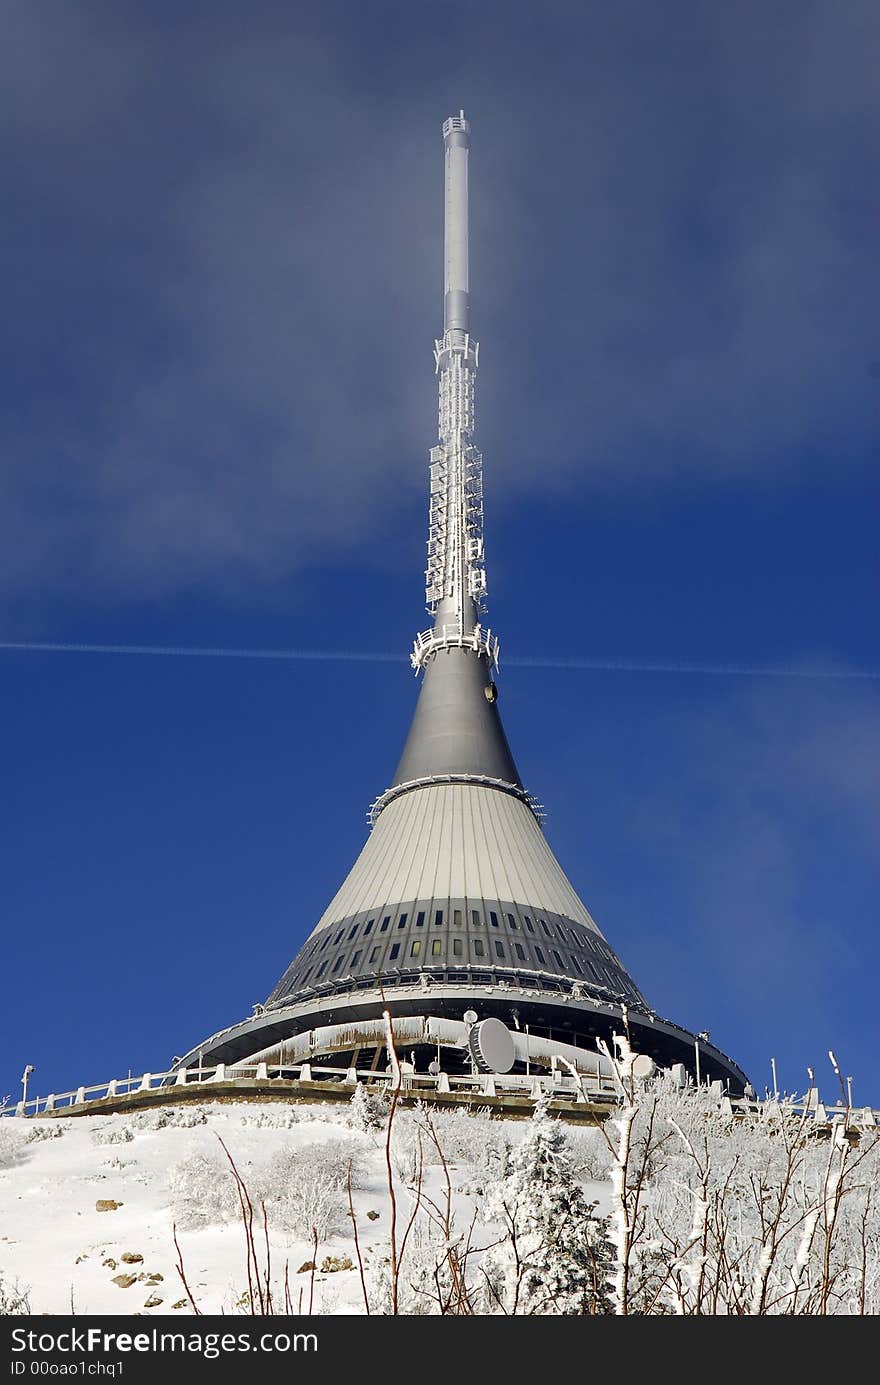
(456, 136)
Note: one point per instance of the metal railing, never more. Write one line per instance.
(481, 641)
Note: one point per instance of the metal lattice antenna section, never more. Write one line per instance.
(455, 577)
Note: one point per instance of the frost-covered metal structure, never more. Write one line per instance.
(457, 906)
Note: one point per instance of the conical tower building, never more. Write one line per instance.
(457, 912)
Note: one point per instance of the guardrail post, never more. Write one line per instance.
(80, 1098)
(111, 1087)
(146, 1081)
(351, 1077)
(219, 1073)
(489, 1085)
(49, 1106)
(305, 1072)
(262, 1072)
(19, 1108)
(443, 1082)
(180, 1079)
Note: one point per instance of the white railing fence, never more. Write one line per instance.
(590, 1088)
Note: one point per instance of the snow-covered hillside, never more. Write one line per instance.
(673, 1208)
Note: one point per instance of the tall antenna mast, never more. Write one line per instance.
(455, 577)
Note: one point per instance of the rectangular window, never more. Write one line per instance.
(401, 922)
(336, 965)
(325, 942)
(457, 947)
(369, 926)
(559, 961)
(543, 923)
(456, 918)
(374, 955)
(576, 964)
(306, 977)
(519, 952)
(479, 950)
(420, 919)
(356, 958)
(528, 923)
(384, 927)
(395, 949)
(438, 919)
(493, 919)
(352, 932)
(415, 947)
(436, 947)
(475, 918)
(593, 970)
(321, 969)
(338, 936)
(512, 921)
(499, 949)
(540, 956)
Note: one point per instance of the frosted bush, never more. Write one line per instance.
(302, 1188)
(282, 1118)
(468, 1143)
(181, 1117)
(589, 1154)
(203, 1191)
(13, 1138)
(112, 1135)
(423, 1285)
(47, 1130)
(305, 1189)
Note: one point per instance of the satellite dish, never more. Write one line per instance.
(491, 1045)
(643, 1066)
(470, 1017)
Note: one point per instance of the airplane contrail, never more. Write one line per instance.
(379, 657)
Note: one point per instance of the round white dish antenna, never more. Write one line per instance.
(491, 1046)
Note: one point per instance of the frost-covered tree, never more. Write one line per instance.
(368, 1110)
(714, 1213)
(553, 1255)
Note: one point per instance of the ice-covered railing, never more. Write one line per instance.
(598, 1089)
(535, 1085)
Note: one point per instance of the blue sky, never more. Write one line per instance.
(222, 278)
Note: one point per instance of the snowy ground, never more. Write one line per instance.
(69, 1255)
(766, 1215)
